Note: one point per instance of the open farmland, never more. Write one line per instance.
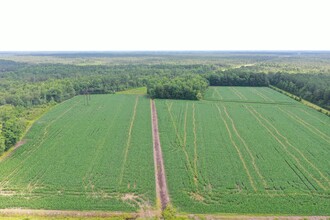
(84, 157)
(246, 150)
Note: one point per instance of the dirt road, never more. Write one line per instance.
(161, 186)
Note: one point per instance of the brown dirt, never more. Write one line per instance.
(161, 185)
(13, 149)
(246, 217)
(20, 143)
(104, 214)
(197, 197)
(61, 213)
(7, 193)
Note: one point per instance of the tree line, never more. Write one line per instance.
(311, 87)
(26, 88)
(236, 77)
(11, 127)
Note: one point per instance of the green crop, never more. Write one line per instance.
(84, 157)
(246, 150)
(240, 150)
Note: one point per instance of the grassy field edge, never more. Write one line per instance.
(303, 101)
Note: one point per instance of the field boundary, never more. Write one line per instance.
(22, 139)
(134, 215)
(161, 186)
(305, 124)
(303, 101)
(64, 213)
(35, 147)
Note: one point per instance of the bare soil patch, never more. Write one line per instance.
(12, 150)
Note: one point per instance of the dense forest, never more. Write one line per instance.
(30, 84)
(312, 87)
(237, 77)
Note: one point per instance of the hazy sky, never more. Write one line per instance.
(164, 25)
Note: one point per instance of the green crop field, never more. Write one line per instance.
(246, 150)
(240, 150)
(135, 91)
(84, 157)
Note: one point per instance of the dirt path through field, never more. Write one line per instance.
(11, 150)
(161, 186)
(63, 213)
(103, 214)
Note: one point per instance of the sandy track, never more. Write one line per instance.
(61, 213)
(104, 214)
(161, 185)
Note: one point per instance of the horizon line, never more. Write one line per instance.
(133, 51)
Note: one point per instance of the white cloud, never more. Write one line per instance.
(164, 25)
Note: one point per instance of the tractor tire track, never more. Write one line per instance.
(169, 107)
(254, 114)
(195, 144)
(185, 127)
(128, 143)
(316, 118)
(99, 147)
(240, 95)
(238, 151)
(181, 142)
(264, 97)
(293, 147)
(218, 93)
(247, 149)
(306, 125)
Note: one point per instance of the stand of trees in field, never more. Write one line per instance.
(27, 89)
(185, 87)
